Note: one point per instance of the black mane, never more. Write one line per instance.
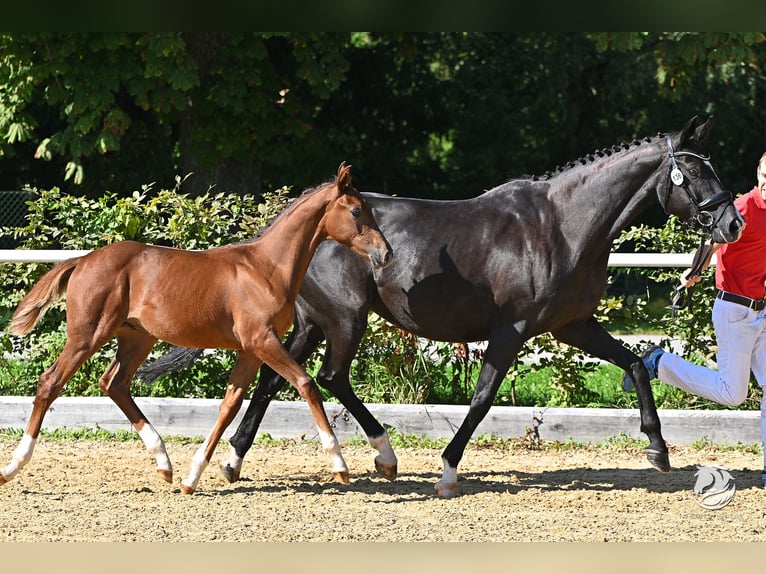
(597, 154)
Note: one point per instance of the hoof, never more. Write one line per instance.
(342, 477)
(387, 470)
(166, 475)
(447, 489)
(659, 460)
(230, 474)
(187, 489)
(2, 480)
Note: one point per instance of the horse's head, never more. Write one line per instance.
(348, 220)
(693, 190)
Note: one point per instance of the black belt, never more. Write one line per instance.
(754, 304)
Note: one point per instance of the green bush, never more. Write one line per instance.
(391, 366)
(164, 217)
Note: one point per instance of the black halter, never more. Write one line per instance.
(703, 217)
(681, 296)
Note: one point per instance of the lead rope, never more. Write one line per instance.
(681, 296)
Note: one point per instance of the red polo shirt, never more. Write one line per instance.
(741, 266)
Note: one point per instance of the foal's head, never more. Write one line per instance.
(348, 220)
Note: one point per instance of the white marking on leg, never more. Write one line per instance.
(20, 457)
(156, 447)
(447, 486)
(198, 463)
(449, 476)
(331, 448)
(383, 446)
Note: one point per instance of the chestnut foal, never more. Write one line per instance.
(237, 296)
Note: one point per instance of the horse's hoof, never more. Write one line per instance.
(2, 480)
(342, 477)
(229, 473)
(659, 460)
(447, 489)
(166, 475)
(187, 489)
(387, 470)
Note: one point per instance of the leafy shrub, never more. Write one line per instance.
(391, 366)
(164, 217)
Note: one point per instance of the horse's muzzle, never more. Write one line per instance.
(381, 261)
(731, 232)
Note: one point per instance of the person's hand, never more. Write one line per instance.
(688, 281)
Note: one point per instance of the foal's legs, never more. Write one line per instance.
(76, 351)
(132, 349)
(301, 342)
(277, 357)
(504, 345)
(592, 338)
(242, 374)
(343, 339)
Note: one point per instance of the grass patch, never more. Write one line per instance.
(621, 442)
(83, 433)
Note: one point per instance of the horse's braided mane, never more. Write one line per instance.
(590, 158)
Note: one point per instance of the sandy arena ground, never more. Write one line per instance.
(82, 490)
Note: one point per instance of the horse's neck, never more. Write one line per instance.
(613, 195)
(290, 243)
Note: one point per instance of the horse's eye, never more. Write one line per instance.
(693, 172)
(356, 212)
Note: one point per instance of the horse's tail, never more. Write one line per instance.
(175, 360)
(50, 288)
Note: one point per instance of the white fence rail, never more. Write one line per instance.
(615, 259)
(195, 416)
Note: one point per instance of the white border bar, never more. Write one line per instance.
(615, 259)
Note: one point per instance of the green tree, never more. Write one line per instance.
(153, 105)
(436, 114)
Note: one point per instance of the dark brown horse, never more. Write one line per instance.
(234, 297)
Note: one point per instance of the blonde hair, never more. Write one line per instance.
(761, 162)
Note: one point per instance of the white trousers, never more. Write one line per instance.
(741, 336)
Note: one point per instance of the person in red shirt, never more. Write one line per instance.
(739, 317)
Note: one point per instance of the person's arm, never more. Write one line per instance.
(688, 279)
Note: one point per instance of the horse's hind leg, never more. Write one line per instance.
(132, 349)
(592, 338)
(49, 387)
(334, 376)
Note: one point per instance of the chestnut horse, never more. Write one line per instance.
(237, 296)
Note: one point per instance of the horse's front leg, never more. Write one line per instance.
(276, 356)
(300, 343)
(502, 349)
(592, 338)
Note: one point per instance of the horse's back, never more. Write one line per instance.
(439, 284)
(460, 266)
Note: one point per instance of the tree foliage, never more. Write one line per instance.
(442, 115)
(134, 107)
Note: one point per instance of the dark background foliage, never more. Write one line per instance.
(437, 114)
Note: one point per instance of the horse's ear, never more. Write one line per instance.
(702, 131)
(344, 176)
(687, 132)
